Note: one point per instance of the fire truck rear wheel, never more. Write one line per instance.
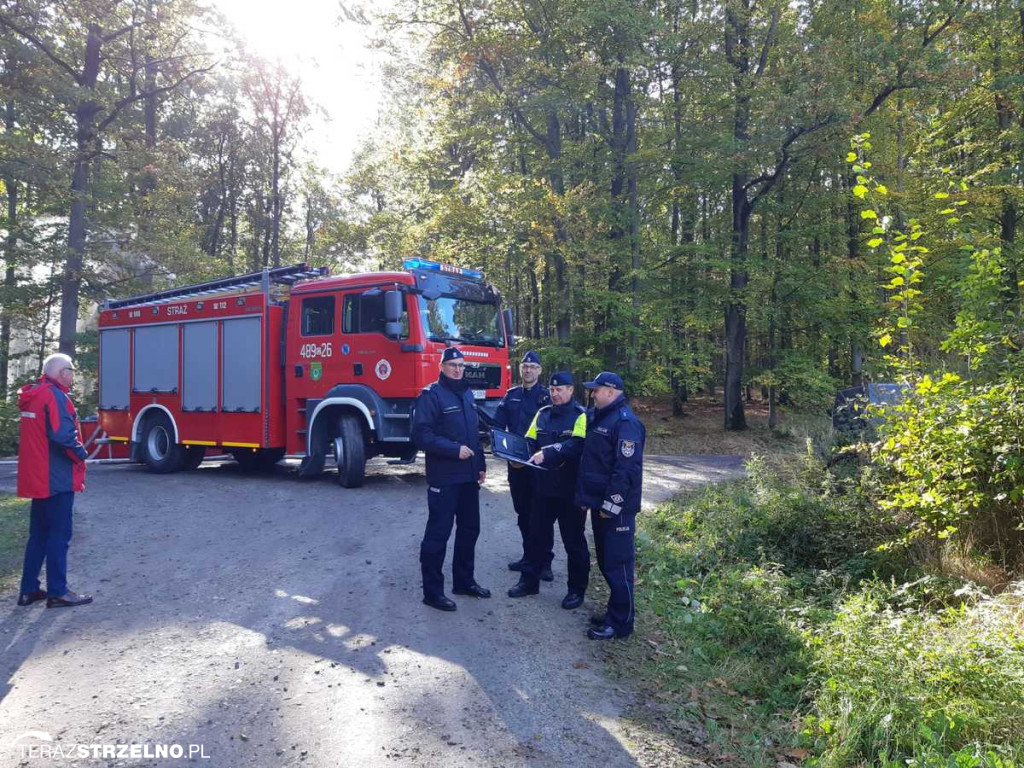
(159, 451)
(350, 452)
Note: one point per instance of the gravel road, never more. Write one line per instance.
(277, 621)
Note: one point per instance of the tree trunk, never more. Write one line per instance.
(553, 146)
(624, 210)
(10, 256)
(85, 136)
(738, 50)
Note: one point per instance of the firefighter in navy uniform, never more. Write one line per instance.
(558, 431)
(609, 485)
(515, 414)
(444, 427)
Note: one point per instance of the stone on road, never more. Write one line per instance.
(277, 621)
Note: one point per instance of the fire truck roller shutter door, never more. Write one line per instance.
(241, 365)
(199, 377)
(114, 369)
(156, 358)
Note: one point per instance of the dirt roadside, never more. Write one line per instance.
(276, 621)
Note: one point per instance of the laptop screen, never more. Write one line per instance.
(510, 444)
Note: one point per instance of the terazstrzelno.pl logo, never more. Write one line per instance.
(39, 744)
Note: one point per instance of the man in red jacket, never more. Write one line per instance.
(51, 469)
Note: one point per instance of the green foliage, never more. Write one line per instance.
(13, 532)
(10, 425)
(909, 687)
(770, 603)
(953, 454)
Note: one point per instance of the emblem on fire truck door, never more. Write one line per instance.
(383, 369)
(316, 371)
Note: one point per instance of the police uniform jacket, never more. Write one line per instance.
(611, 469)
(517, 408)
(444, 419)
(559, 431)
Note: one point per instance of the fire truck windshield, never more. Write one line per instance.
(460, 320)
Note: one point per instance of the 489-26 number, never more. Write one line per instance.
(307, 351)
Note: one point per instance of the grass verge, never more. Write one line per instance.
(774, 631)
(13, 530)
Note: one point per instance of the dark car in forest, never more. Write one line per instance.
(850, 412)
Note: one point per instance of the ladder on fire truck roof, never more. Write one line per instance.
(278, 276)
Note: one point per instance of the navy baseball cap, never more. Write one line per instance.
(530, 357)
(452, 354)
(605, 379)
(561, 379)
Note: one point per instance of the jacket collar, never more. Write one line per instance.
(45, 379)
(458, 387)
(600, 413)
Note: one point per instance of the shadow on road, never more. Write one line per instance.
(288, 611)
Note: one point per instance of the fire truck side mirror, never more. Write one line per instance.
(392, 306)
(393, 314)
(507, 316)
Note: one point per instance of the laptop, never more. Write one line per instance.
(511, 447)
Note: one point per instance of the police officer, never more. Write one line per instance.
(558, 431)
(514, 414)
(444, 427)
(609, 485)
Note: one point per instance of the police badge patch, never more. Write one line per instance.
(628, 447)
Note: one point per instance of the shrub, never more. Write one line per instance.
(10, 424)
(953, 455)
(906, 687)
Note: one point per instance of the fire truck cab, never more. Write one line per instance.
(293, 361)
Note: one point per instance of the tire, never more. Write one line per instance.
(194, 455)
(350, 452)
(262, 460)
(159, 451)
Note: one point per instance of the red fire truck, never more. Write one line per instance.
(293, 361)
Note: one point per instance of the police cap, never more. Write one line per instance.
(452, 353)
(605, 379)
(561, 379)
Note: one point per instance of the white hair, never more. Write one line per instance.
(55, 361)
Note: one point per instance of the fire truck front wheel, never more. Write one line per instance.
(159, 451)
(350, 451)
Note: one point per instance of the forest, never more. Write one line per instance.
(738, 200)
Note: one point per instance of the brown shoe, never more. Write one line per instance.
(69, 600)
(30, 597)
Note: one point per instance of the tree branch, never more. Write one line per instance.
(929, 37)
(769, 43)
(119, 106)
(42, 46)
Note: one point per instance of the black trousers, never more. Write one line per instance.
(520, 485)
(572, 523)
(614, 541)
(449, 505)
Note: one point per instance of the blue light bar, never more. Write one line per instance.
(434, 266)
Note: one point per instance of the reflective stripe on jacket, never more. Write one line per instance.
(559, 431)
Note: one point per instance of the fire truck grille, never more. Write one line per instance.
(483, 376)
